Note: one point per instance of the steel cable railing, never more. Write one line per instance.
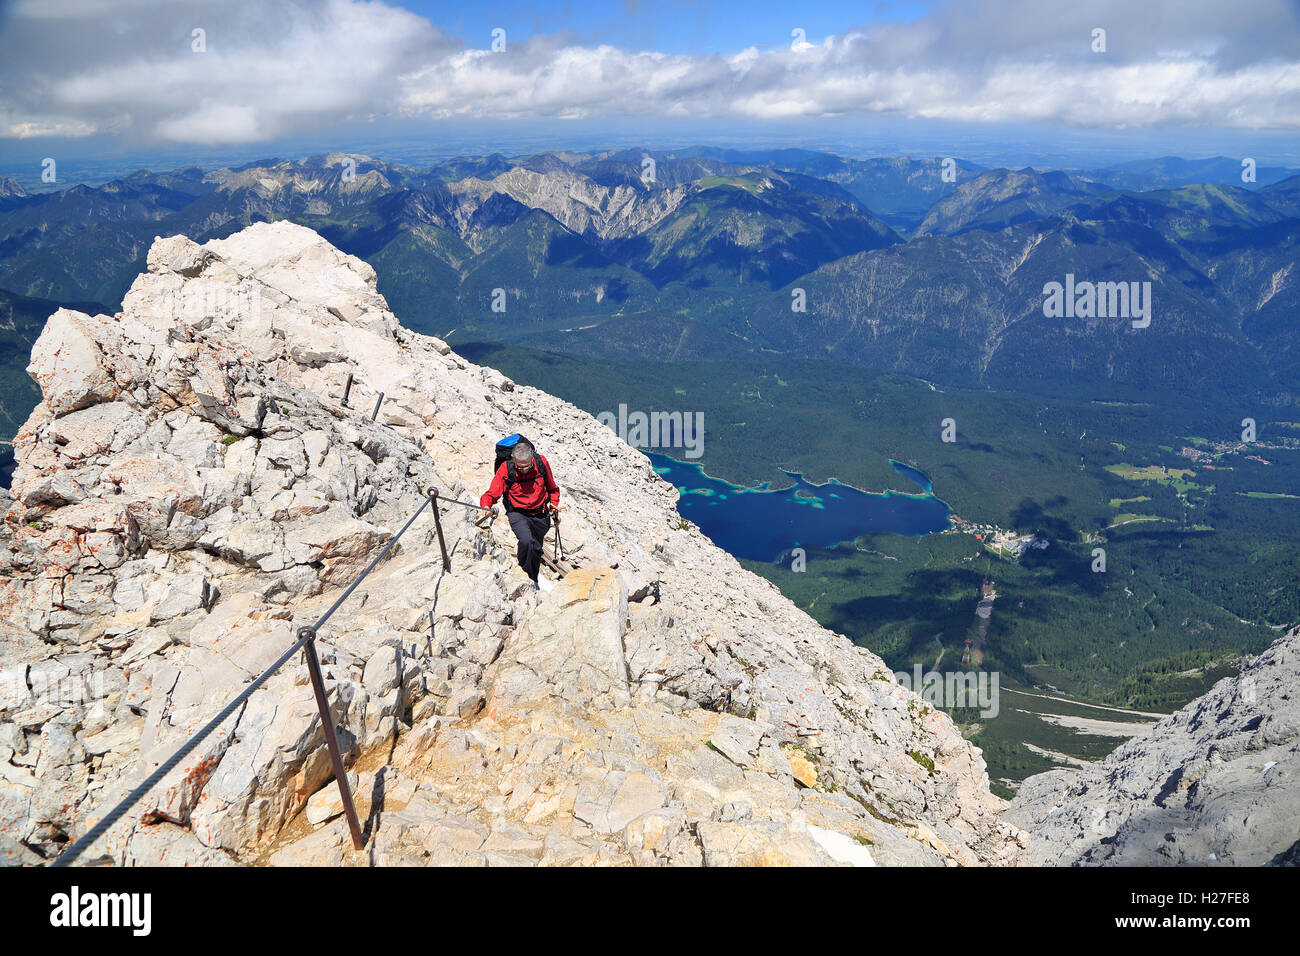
(306, 641)
(138, 794)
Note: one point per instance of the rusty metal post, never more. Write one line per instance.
(379, 401)
(347, 390)
(331, 738)
(437, 521)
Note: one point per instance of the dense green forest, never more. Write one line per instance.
(1200, 569)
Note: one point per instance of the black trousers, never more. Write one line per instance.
(531, 532)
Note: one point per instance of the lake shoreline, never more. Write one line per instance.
(766, 486)
(763, 523)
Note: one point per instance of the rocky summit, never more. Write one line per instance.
(193, 488)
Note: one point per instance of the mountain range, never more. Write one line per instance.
(702, 254)
(967, 307)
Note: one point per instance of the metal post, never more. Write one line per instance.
(379, 401)
(347, 390)
(331, 739)
(437, 521)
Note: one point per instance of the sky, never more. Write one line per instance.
(165, 78)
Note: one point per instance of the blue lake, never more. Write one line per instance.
(761, 524)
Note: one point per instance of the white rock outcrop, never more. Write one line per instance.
(192, 489)
(1212, 784)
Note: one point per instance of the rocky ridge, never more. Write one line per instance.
(192, 489)
(1211, 784)
(609, 212)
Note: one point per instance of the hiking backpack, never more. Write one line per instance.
(505, 447)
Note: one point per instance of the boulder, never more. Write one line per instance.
(612, 800)
(69, 366)
(571, 647)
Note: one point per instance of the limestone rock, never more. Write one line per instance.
(803, 770)
(68, 364)
(570, 648)
(327, 803)
(610, 801)
(1213, 783)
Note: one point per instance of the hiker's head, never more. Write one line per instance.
(523, 458)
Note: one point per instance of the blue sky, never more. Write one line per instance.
(1013, 82)
(670, 27)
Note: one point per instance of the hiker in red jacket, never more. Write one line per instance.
(531, 499)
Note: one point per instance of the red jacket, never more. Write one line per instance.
(529, 492)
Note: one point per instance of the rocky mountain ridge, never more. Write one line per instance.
(192, 488)
(711, 253)
(1211, 784)
(999, 198)
(911, 308)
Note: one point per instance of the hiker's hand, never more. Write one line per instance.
(555, 513)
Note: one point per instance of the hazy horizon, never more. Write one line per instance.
(106, 89)
(85, 165)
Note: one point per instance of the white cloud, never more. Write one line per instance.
(214, 123)
(29, 128)
(270, 68)
(275, 67)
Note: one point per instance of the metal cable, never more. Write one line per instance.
(463, 504)
(98, 830)
(305, 635)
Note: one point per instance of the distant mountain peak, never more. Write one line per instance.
(11, 188)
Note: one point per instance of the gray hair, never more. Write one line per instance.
(523, 454)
